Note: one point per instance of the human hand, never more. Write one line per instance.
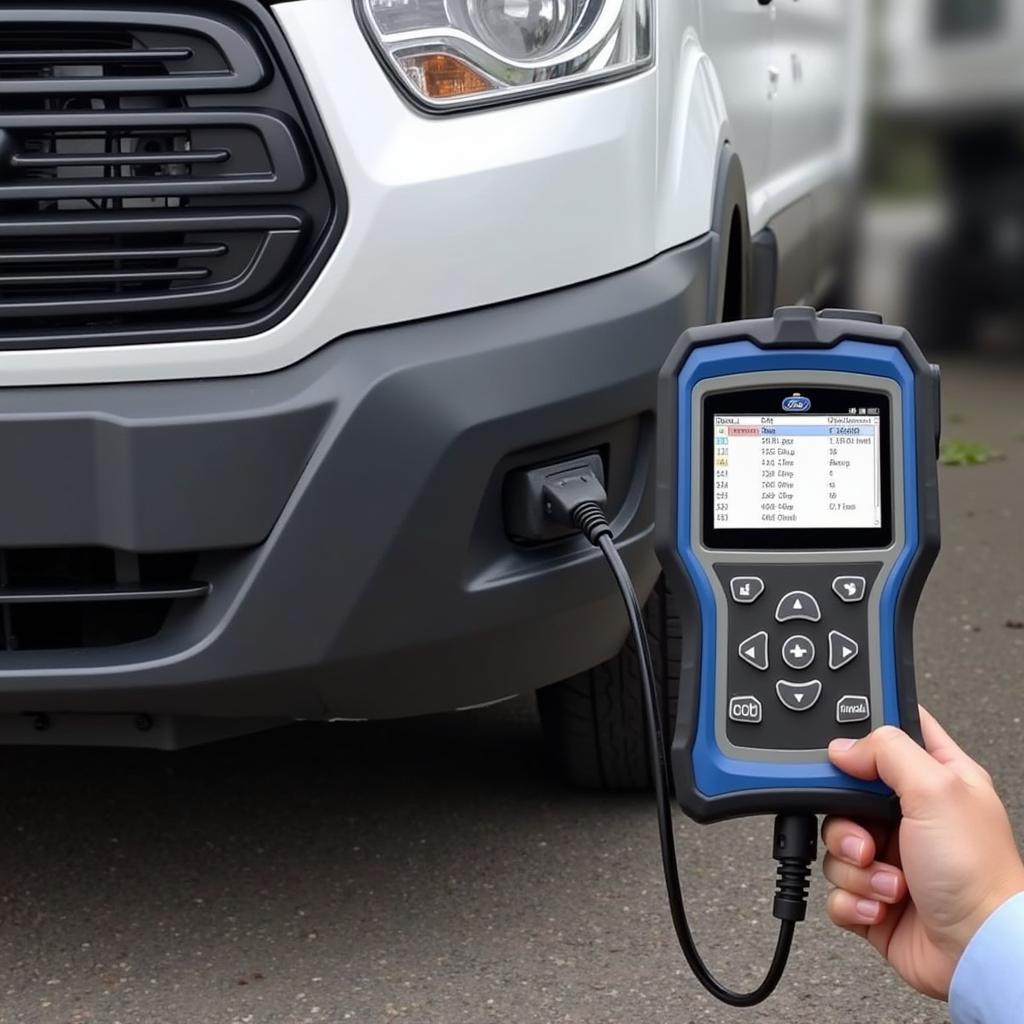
(919, 890)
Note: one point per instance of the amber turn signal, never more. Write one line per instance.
(442, 76)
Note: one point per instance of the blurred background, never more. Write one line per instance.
(943, 233)
(433, 870)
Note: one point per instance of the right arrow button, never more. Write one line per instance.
(841, 649)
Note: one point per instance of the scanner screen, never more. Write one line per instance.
(796, 468)
(782, 472)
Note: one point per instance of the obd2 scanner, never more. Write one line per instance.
(797, 521)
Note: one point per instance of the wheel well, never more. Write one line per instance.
(733, 298)
(729, 291)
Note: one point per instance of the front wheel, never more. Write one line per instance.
(594, 723)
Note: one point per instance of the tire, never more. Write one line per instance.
(594, 722)
(939, 300)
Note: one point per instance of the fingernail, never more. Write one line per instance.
(852, 848)
(838, 746)
(868, 910)
(884, 883)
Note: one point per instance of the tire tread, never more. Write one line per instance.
(594, 721)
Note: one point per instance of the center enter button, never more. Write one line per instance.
(798, 696)
(798, 652)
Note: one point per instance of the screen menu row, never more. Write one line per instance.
(797, 472)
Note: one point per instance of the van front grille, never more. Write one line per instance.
(162, 174)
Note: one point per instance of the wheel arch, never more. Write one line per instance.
(730, 294)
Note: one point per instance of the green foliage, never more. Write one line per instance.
(966, 453)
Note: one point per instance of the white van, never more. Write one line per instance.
(290, 292)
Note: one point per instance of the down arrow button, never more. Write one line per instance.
(798, 696)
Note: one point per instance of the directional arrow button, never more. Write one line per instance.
(798, 696)
(841, 649)
(754, 650)
(798, 604)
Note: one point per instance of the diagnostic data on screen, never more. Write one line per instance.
(802, 472)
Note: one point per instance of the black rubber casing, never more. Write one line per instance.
(794, 327)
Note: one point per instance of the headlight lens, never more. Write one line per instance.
(453, 53)
(522, 29)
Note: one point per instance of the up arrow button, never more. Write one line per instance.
(798, 604)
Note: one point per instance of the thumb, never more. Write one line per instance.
(892, 756)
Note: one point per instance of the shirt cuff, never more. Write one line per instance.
(988, 983)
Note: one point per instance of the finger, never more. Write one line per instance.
(892, 756)
(946, 751)
(888, 851)
(880, 935)
(854, 912)
(849, 841)
(877, 881)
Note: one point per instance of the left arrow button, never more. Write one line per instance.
(754, 651)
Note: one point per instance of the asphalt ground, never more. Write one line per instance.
(433, 871)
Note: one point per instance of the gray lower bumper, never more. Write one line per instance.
(348, 510)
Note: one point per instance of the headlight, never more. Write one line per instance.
(457, 53)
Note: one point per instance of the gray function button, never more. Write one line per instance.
(798, 604)
(798, 652)
(745, 709)
(842, 649)
(798, 696)
(852, 708)
(849, 588)
(746, 589)
(754, 650)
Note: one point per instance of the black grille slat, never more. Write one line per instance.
(162, 174)
(30, 160)
(65, 227)
(110, 56)
(87, 597)
(231, 60)
(112, 276)
(230, 253)
(284, 168)
(94, 594)
(61, 255)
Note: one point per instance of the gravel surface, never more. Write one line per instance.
(432, 871)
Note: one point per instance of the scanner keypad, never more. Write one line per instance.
(795, 670)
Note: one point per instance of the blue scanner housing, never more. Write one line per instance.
(711, 782)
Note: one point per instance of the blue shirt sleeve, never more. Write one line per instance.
(988, 983)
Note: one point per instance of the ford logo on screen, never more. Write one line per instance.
(796, 403)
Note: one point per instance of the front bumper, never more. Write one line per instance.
(348, 510)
